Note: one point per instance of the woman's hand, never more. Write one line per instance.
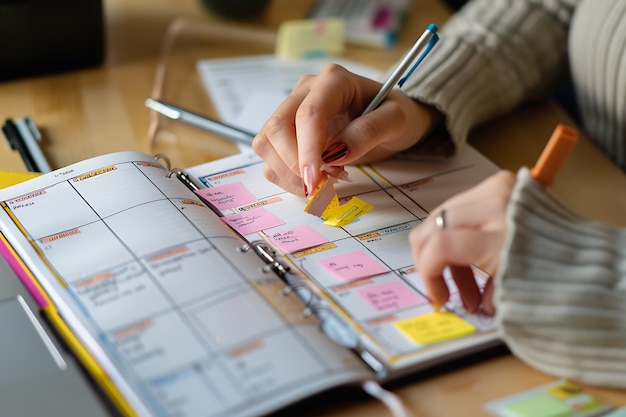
(473, 232)
(317, 129)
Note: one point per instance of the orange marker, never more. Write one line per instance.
(554, 154)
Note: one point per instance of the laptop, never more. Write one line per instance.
(38, 375)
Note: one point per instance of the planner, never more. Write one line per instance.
(209, 291)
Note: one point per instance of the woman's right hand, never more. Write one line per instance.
(317, 129)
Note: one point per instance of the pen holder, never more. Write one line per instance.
(38, 37)
(236, 9)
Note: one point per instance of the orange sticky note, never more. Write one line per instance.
(554, 154)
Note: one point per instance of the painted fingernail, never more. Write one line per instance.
(335, 152)
(306, 180)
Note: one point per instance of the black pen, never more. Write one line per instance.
(17, 142)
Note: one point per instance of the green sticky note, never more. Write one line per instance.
(540, 405)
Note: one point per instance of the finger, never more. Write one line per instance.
(388, 124)
(331, 102)
(288, 182)
(488, 305)
(454, 247)
(470, 294)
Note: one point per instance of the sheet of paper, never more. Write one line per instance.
(246, 90)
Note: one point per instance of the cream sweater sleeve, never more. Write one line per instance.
(561, 289)
(492, 56)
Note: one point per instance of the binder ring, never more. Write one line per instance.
(166, 161)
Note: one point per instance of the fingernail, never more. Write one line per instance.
(306, 180)
(335, 152)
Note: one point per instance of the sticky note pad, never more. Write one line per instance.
(557, 399)
(540, 405)
(434, 327)
(310, 38)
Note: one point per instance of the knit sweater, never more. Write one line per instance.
(561, 289)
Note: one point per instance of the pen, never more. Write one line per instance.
(15, 140)
(31, 138)
(426, 42)
(554, 154)
(228, 132)
(398, 77)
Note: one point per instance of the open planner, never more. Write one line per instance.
(231, 300)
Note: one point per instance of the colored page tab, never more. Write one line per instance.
(352, 266)
(296, 238)
(325, 205)
(434, 327)
(390, 296)
(227, 196)
(252, 221)
(347, 213)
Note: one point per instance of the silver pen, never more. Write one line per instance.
(226, 131)
(425, 42)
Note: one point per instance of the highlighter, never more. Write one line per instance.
(554, 154)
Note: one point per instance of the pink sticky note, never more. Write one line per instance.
(251, 221)
(226, 196)
(353, 266)
(390, 296)
(296, 238)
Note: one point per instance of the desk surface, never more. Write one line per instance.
(99, 110)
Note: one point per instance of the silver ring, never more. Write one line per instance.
(440, 219)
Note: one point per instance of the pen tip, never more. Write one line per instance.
(432, 27)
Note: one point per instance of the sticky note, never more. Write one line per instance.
(347, 213)
(540, 405)
(227, 196)
(325, 204)
(325, 197)
(296, 238)
(309, 38)
(434, 327)
(556, 399)
(352, 266)
(252, 221)
(390, 296)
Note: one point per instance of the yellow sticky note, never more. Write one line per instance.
(435, 327)
(310, 38)
(346, 213)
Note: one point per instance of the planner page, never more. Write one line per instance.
(364, 268)
(151, 281)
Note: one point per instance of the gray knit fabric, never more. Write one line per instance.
(561, 291)
(496, 54)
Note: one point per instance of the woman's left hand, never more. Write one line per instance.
(469, 228)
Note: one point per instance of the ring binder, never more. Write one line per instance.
(234, 329)
(337, 329)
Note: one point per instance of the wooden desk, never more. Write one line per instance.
(99, 110)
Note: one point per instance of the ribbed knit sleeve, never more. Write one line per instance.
(493, 54)
(561, 289)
